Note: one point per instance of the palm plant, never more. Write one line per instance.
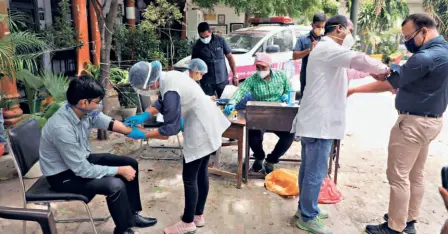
(20, 49)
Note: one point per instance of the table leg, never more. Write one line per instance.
(336, 166)
(246, 160)
(330, 165)
(239, 172)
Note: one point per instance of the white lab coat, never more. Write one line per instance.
(204, 123)
(322, 109)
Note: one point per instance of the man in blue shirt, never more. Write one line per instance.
(306, 43)
(214, 50)
(70, 166)
(421, 100)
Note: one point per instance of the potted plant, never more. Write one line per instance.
(127, 96)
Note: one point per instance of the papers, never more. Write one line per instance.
(159, 118)
(228, 92)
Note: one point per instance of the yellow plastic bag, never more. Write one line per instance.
(282, 182)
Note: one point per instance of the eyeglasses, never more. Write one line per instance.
(416, 32)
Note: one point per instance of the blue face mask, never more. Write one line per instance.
(92, 113)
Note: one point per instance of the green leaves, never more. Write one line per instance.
(161, 14)
(438, 9)
(262, 8)
(56, 84)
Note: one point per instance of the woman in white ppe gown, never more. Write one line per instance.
(182, 100)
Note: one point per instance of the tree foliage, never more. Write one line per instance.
(378, 22)
(62, 34)
(263, 8)
(438, 9)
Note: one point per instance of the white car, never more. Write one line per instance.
(276, 40)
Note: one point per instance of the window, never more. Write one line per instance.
(282, 40)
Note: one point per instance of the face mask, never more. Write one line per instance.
(92, 113)
(348, 41)
(317, 32)
(263, 74)
(206, 40)
(411, 46)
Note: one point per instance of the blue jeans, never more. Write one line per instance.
(313, 170)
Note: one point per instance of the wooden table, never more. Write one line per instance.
(235, 131)
(272, 116)
(268, 117)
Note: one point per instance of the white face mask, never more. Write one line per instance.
(263, 74)
(206, 40)
(348, 41)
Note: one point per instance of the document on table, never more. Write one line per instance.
(228, 92)
(159, 118)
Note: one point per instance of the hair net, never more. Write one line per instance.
(197, 65)
(144, 74)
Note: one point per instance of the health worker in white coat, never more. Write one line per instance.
(182, 102)
(321, 117)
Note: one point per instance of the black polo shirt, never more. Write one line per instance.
(423, 81)
(213, 54)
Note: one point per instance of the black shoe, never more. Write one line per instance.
(128, 231)
(410, 227)
(257, 166)
(142, 222)
(380, 229)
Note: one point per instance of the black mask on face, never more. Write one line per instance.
(410, 44)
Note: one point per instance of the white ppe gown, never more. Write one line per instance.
(204, 123)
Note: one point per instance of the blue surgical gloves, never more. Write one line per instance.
(136, 134)
(181, 124)
(229, 109)
(284, 98)
(137, 119)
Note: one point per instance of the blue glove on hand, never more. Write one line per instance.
(229, 109)
(137, 119)
(284, 98)
(136, 134)
(181, 124)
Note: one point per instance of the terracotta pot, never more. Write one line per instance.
(12, 115)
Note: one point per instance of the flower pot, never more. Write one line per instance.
(127, 112)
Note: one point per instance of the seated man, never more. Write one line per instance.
(67, 162)
(270, 86)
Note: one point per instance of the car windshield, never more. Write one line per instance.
(243, 42)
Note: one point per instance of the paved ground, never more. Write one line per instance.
(253, 209)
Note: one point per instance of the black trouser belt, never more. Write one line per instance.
(422, 115)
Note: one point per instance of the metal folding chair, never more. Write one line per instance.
(23, 141)
(152, 123)
(43, 217)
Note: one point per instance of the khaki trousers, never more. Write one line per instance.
(408, 149)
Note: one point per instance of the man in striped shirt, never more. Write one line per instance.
(270, 86)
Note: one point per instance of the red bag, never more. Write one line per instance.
(328, 193)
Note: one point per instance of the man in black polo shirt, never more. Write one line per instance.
(421, 100)
(214, 50)
(306, 43)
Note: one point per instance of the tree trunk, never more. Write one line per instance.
(106, 26)
(246, 18)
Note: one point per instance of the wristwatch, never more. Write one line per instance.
(235, 77)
